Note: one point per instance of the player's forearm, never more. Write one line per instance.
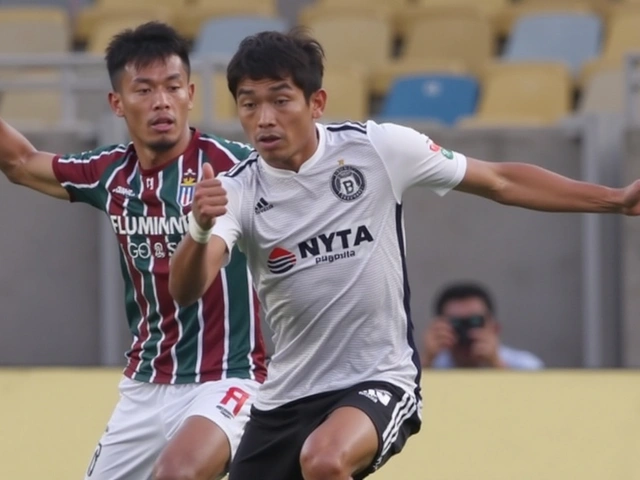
(15, 150)
(191, 270)
(535, 188)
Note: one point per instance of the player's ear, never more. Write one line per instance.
(115, 102)
(318, 101)
(192, 89)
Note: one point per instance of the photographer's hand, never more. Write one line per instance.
(486, 347)
(438, 337)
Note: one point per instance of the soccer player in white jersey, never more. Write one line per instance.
(319, 215)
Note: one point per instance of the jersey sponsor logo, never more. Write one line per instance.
(262, 206)
(281, 260)
(327, 248)
(132, 225)
(125, 192)
(437, 148)
(145, 250)
(348, 183)
(377, 395)
(187, 188)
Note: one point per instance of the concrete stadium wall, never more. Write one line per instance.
(530, 260)
(483, 425)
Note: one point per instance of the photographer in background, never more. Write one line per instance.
(465, 334)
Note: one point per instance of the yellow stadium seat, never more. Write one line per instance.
(524, 93)
(366, 3)
(188, 21)
(492, 8)
(623, 35)
(347, 94)
(223, 107)
(105, 30)
(353, 38)
(450, 33)
(39, 107)
(34, 30)
(90, 18)
(382, 78)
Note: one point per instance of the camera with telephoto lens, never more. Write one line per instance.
(463, 325)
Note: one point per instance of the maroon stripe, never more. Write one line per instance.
(213, 308)
(115, 207)
(219, 159)
(162, 361)
(83, 173)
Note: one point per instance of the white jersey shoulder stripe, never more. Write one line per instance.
(118, 148)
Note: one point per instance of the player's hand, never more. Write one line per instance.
(438, 337)
(209, 199)
(631, 199)
(485, 347)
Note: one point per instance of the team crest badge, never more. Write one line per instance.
(347, 183)
(187, 187)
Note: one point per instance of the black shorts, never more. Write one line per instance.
(271, 444)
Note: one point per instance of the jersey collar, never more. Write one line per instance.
(313, 159)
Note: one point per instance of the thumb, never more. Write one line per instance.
(207, 172)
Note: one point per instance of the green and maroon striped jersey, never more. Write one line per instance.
(217, 337)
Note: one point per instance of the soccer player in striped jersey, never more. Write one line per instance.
(319, 216)
(192, 371)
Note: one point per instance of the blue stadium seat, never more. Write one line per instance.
(570, 38)
(221, 36)
(433, 97)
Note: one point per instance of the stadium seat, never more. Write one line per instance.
(492, 8)
(221, 36)
(34, 30)
(525, 93)
(450, 33)
(120, 10)
(189, 21)
(516, 10)
(37, 108)
(382, 77)
(623, 35)
(223, 107)
(104, 31)
(354, 38)
(572, 39)
(604, 92)
(347, 94)
(440, 98)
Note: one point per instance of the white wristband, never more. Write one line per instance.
(197, 233)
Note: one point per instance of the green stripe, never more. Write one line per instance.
(239, 315)
(187, 350)
(98, 195)
(135, 207)
(239, 150)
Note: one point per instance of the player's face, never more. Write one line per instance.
(155, 101)
(279, 121)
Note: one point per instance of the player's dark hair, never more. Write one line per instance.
(462, 291)
(276, 56)
(142, 46)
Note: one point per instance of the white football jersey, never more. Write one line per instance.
(326, 249)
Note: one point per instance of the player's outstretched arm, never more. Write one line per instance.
(200, 255)
(22, 164)
(535, 188)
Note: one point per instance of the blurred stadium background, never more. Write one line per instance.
(549, 82)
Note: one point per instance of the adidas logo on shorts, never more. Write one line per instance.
(377, 395)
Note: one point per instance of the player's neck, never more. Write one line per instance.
(296, 161)
(150, 158)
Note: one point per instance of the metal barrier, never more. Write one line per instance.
(71, 81)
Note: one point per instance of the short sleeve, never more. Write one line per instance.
(229, 226)
(412, 158)
(81, 174)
